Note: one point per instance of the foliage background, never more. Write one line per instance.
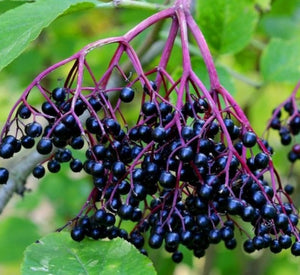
(257, 54)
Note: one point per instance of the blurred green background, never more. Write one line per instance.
(55, 199)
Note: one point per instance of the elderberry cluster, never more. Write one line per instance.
(188, 169)
(286, 120)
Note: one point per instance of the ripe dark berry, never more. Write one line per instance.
(285, 241)
(3, 175)
(275, 246)
(296, 248)
(186, 154)
(172, 240)
(261, 160)
(38, 171)
(155, 241)
(33, 129)
(93, 126)
(167, 180)
(126, 211)
(127, 94)
(249, 139)
(76, 165)
(44, 146)
(289, 189)
(59, 94)
(48, 109)
(6, 150)
(149, 108)
(226, 233)
(268, 211)
(24, 112)
(77, 142)
(95, 103)
(27, 142)
(177, 257)
(77, 233)
(158, 134)
(53, 166)
(119, 169)
(248, 246)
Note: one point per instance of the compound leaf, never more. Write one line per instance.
(57, 253)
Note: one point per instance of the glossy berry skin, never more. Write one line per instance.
(24, 112)
(249, 139)
(4, 174)
(127, 94)
(59, 94)
(33, 129)
(155, 241)
(126, 211)
(77, 233)
(177, 257)
(296, 248)
(38, 171)
(76, 165)
(261, 160)
(44, 146)
(53, 166)
(167, 180)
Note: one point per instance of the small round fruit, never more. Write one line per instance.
(127, 94)
(3, 175)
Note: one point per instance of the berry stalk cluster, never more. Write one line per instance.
(190, 170)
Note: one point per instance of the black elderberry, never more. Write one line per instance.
(172, 240)
(258, 242)
(177, 257)
(127, 94)
(44, 146)
(167, 180)
(259, 198)
(59, 94)
(296, 248)
(295, 125)
(62, 131)
(110, 219)
(145, 133)
(76, 165)
(200, 105)
(285, 241)
(149, 108)
(164, 108)
(206, 192)
(112, 126)
(289, 189)
(234, 206)
(53, 166)
(286, 139)
(214, 236)
(268, 211)
(4, 174)
(139, 191)
(77, 233)
(27, 142)
(97, 169)
(80, 107)
(226, 233)
(186, 154)
(63, 155)
(275, 246)
(231, 243)
(158, 134)
(93, 126)
(119, 169)
(33, 129)
(282, 221)
(261, 160)
(38, 171)
(6, 150)
(155, 240)
(48, 109)
(126, 211)
(24, 112)
(249, 139)
(153, 87)
(248, 246)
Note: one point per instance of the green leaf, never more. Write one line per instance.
(227, 24)
(7, 5)
(15, 235)
(21, 25)
(57, 253)
(283, 21)
(280, 61)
